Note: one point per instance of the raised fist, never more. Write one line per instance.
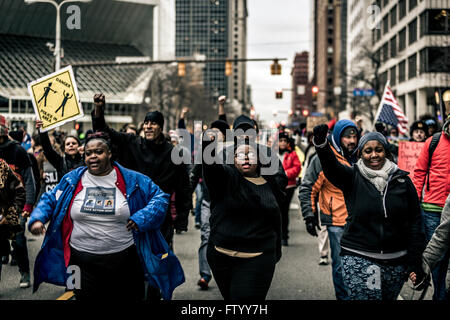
(320, 133)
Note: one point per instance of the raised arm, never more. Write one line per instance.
(55, 159)
(222, 114)
(213, 173)
(338, 174)
(120, 139)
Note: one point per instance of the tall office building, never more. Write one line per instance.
(216, 29)
(301, 95)
(413, 45)
(329, 54)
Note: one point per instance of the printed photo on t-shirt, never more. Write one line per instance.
(99, 200)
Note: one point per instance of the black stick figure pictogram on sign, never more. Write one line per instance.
(63, 103)
(46, 92)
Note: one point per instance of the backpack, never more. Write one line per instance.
(433, 144)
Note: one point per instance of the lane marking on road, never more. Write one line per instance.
(66, 296)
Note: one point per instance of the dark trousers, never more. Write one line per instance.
(115, 276)
(285, 213)
(242, 278)
(20, 250)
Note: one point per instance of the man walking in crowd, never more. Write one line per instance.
(17, 158)
(418, 131)
(151, 156)
(316, 188)
(431, 179)
(220, 127)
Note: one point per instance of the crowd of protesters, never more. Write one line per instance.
(110, 204)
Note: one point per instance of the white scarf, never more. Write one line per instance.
(380, 177)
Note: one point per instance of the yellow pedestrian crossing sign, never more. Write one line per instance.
(55, 98)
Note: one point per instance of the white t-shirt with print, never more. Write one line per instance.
(100, 214)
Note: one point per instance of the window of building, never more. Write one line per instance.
(385, 52)
(402, 40)
(393, 45)
(437, 59)
(412, 4)
(423, 61)
(385, 24)
(393, 15)
(383, 78)
(438, 21)
(401, 9)
(412, 66)
(412, 28)
(393, 77)
(402, 71)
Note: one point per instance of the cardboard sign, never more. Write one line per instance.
(408, 153)
(55, 99)
(311, 122)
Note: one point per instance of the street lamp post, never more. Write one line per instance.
(57, 51)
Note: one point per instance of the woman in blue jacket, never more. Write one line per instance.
(104, 225)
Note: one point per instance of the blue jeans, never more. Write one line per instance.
(335, 235)
(205, 271)
(431, 221)
(198, 204)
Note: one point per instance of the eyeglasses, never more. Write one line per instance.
(36, 153)
(242, 156)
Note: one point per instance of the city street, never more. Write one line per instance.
(297, 277)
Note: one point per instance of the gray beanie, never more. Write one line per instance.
(373, 136)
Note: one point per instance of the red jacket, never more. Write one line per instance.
(292, 167)
(439, 177)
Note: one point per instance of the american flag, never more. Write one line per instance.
(389, 112)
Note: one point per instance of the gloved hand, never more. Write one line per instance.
(320, 133)
(311, 225)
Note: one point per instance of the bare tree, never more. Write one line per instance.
(367, 76)
(169, 93)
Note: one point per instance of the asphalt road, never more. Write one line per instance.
(297, 276)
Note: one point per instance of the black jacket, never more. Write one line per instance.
(62, 164)
(244, 217)
(153, 160)
(377, 222)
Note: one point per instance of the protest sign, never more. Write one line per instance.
(55, 99)
(408, 153)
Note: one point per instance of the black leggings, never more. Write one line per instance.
(285, 213)
(116, 276)
(242, 278)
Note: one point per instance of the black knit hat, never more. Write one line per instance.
(419, 125)
(221, 125)
(155, 116)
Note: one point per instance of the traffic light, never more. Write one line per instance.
(228, 68)
(275, 68)
(305, 112)
(315, 91)
(181, 69)
(79, 128)
(278, 94)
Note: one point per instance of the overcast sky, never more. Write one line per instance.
(276, 28)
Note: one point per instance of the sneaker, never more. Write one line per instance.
(203, 284)
(198, 225)
(5, 259)
(25, 280)
(323, 261)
